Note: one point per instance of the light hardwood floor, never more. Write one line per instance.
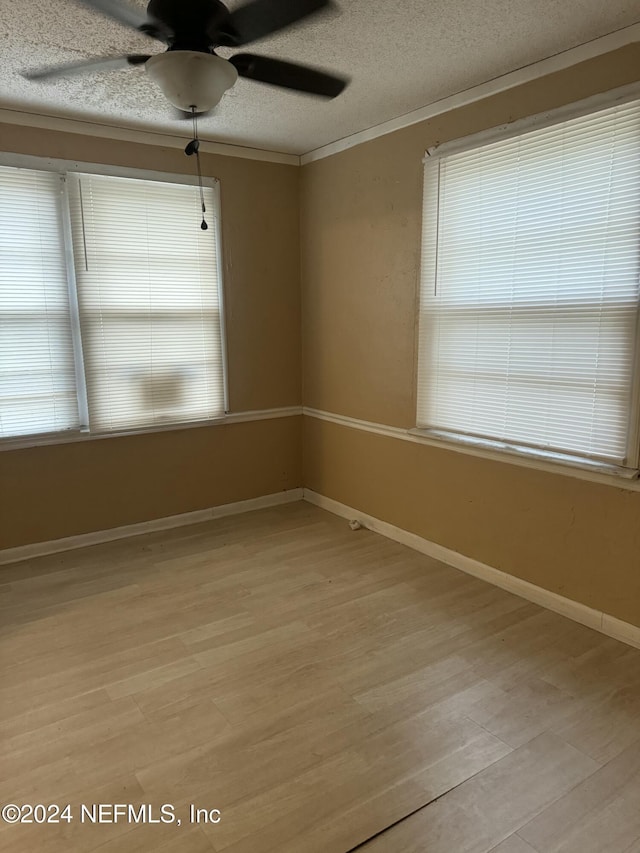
(315, 685)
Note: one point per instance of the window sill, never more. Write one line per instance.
(582, 469)
(74, 436)
(547, 460)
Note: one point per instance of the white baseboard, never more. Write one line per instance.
(603, 622)
(54, 546)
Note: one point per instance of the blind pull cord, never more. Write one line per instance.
(84, 235)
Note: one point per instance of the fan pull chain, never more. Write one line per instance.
(193, 147)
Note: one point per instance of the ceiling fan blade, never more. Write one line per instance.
(290, 75)
(260, 18)
(131, 16)
(86, 66)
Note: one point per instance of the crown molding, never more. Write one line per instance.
(558, 62)
(87, 127)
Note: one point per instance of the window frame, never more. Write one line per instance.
(495, 448)
(62, 168)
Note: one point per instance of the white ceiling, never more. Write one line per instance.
(400, 54)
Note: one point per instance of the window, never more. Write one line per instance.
(109, 304)
(530, 289)
(37, 374)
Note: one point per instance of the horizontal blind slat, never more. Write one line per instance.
(149, 302)
(530, 287)
(37, 374)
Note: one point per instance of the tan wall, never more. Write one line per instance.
(360, 241)
(54, 491)
(66, 489)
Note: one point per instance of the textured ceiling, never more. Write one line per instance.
(400, 54)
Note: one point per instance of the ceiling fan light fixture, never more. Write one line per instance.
(188, 78)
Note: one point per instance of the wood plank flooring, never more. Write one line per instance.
(315, 684)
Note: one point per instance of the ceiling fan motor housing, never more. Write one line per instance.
(190, 79)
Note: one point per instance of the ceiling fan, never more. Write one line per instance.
(190, 73)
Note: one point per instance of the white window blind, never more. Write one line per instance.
(530, 288)
(148, 293)
(37, 372)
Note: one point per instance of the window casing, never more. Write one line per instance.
(110, 304)
(530, 290)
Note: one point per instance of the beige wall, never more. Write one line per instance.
(63, 490)
(360, 228)
(60, 490)
(360, 241)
